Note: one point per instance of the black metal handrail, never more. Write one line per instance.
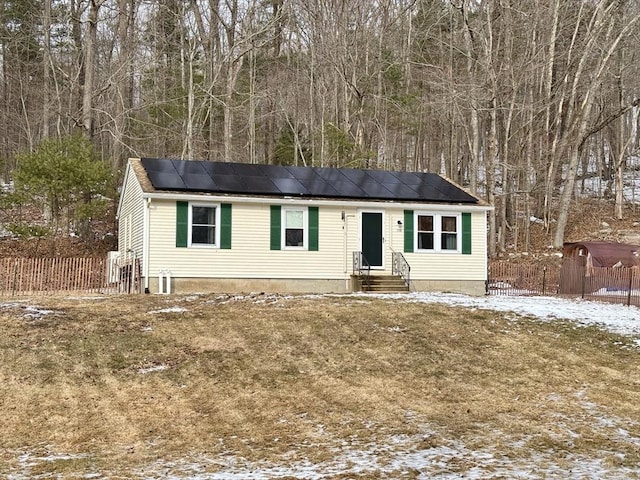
(361, 267)
(400, 266)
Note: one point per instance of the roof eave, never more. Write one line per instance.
(359, 202)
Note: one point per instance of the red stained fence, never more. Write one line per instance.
(572, 279)
(24, 276)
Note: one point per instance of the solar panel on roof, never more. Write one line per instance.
(383, 177)
(199, 183)
(229, 183)
(192, 167)
(356, 176)
(276, 171)
(212, 177)
(248, 169)
(319, 188)
(428, 193)
(257, 184)
(219, 168)
(408, 178)
(303, 173)
(290, 186)
(376, 190)
(449, 190)
(349, 189)
(331, 175)
(157, 165)
(166, 181)
(400, 190)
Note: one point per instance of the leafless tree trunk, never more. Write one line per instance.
(46, 68)
(603, 37)
(89, 45)
(123, 81)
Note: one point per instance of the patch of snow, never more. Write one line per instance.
(397, 329)
(614, 291)
(104, 297)
(396, 455)
(254, 297)
(37, 312)
(4, 233)
(17, 304)
(28, 461)
(191, 298)
(613, 317)
(153, 368)
(169, 310)
(30, 311)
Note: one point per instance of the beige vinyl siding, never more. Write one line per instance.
(131, 216)
(446, 265)
(250, 255)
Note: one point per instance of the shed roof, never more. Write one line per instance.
(605, 254)
(269, 180)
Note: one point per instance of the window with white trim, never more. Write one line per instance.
(437, 232)
(295, 227)
(203, 225)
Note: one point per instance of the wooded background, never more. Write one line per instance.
(515, 100)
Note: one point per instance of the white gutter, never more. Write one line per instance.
(457, 207)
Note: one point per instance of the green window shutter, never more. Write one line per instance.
(225, 225)
(182, 223)
(466, 233)
(276, 225)
(408, 231)
(313, 229)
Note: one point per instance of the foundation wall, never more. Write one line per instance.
(468, 287)
(247, 285)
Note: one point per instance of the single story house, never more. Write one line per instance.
(198, 226)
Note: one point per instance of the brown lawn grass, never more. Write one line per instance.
(283, 379)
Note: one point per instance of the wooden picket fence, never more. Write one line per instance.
(26, 276)
(614, 285)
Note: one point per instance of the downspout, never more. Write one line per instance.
(145, 245)
(344, 248)
(486, 257)
(347, 259)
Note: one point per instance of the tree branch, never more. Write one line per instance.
(608, 120)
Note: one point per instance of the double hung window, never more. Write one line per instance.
(204, 223)
(295, 228)
(438, 232)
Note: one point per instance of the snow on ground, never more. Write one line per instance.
(168, 310)
(616, 318)
(415, 456)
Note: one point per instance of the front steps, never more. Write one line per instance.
(383, 284)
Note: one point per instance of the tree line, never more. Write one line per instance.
(516, 101)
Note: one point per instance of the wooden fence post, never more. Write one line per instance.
(630, 285)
